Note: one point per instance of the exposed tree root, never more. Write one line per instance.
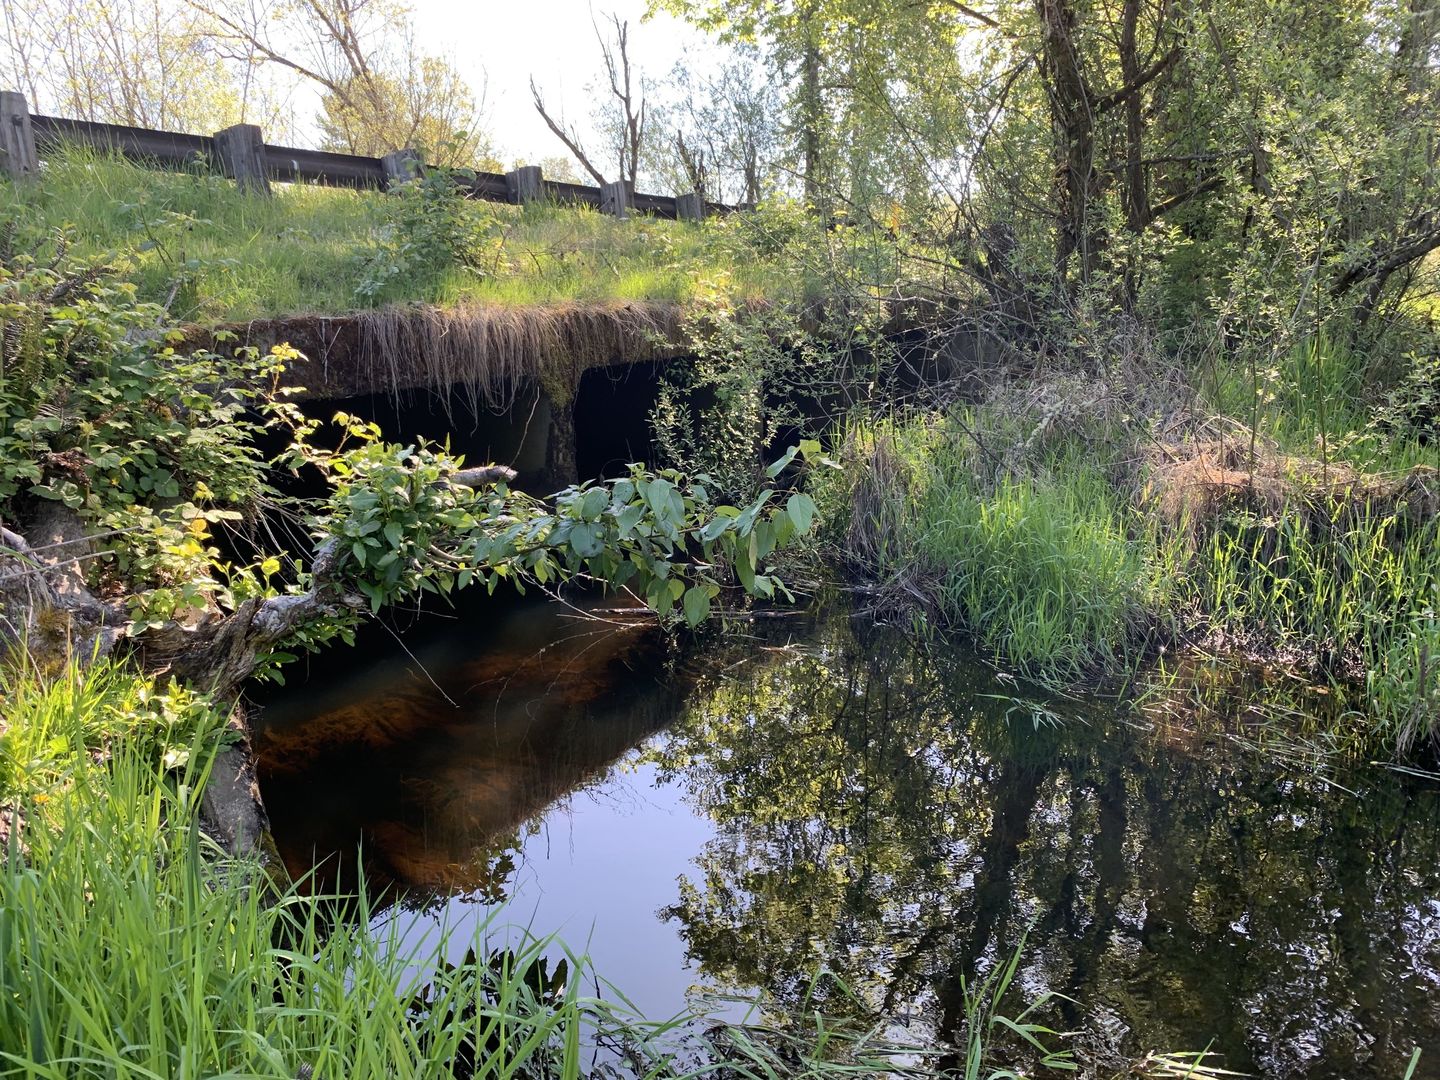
(488, 352)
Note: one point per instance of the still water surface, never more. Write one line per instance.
(821, 791)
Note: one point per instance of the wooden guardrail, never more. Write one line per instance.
(241, 153)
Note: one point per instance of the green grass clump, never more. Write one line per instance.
(222, 254)
(1351, 581)
(213, 254)
(1352, 588)
(51, 728)
(1040, 568)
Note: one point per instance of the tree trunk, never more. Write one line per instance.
(1074, 122)
(811, 109)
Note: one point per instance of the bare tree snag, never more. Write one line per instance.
(630, 138)
(566, 134)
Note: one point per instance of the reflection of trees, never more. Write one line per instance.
(880, 817)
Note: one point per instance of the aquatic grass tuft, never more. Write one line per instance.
(984, 1020)
(1041, 567)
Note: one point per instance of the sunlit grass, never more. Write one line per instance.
(1319, 399)
(213, 254)
(1045, 570)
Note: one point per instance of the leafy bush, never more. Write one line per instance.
(148, 446)
(400, 527)
(717, 415)
(429, 228)
(1411, 409)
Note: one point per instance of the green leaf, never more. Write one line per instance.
(745, 570)
(764, 537)
(714, 528)
(801, 510)
(586, 541)
(697, 605)
(657, 495)
(628, 518)
(778, 467)
(594, 503)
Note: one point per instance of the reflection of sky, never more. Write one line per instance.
(595, 873)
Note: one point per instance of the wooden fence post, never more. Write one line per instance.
(241, 150)
(690, 207)
(18, 158)
(614, 199)
(401, 166)
(525, 184)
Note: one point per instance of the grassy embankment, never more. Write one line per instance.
(215, 255)
(1075, 538)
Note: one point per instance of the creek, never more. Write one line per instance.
(731, 815)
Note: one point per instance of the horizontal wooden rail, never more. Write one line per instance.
(239, 152)
(164, 147)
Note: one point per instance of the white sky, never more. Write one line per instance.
(552, 40)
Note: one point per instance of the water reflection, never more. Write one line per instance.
(897, 818)
(834, 796)
(428, 765)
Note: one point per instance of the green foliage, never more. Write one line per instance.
(148, 448)
(430, 229)
(1067, 577)
(757, 373)
(1410, 410)
(90, 388)
(984, 1021)
(718, 414)
(1354, 586)
(147, 445)
(53, 728)
(401, 528)
(1044, 568)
